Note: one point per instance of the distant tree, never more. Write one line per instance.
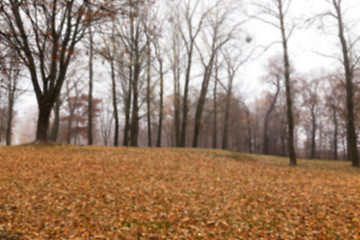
(334, 95)
(274, 77)
(106, 120)
(10, 70)
(311, 101)
(77, 117)
(218, 37)
(232, 63)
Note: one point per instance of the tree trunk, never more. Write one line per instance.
(90, 99)
(290, 116)
(127, 108)
(248, 123)
(114, 101)
(226, 120)
(177, 107)
(351, 134)
(135, 111)
(313, 135)
(214, 145)
(161, 111)
(148, 100)
(185, 106)
(335, 134)
(43, 122)
(10, 116)
(201, 102)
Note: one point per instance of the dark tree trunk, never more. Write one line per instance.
(350, 125)
(313, 134)
(148, 99)
(214, 145)
(135, 110)
(161, 110)
(185, 103)
(290, 116)
(335, 140)
(127, 108)
(10, 115)
(177, 107)
(43, 122)
(201, 102)
(114, 102)
(90, 99)
(248, 123)
(226, 120)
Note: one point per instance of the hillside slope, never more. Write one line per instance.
(127, 193)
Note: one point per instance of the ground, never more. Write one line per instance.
(67, 192)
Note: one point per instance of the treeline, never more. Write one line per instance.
(166, 74)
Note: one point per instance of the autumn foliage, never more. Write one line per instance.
(69, 192)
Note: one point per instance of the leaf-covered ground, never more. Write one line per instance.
(123, 193)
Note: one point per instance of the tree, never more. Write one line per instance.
(274, 77)
(218, 37)
(90, 93)
(175, 56)
(348, 65)
(278, 10)
(189, 32)
(106, 119)
(334, 93)
(133, 39)
(159, 56)
(44, 35)
(232, 64)
(10, 70)
(310, 100)
(110, 52)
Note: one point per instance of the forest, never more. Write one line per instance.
(161, 73)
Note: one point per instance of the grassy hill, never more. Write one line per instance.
(72, 192)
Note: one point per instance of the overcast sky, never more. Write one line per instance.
(309, 44)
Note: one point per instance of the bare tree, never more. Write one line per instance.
(218, 37)
(333, 101)
(233, 63)
(10, 69)
(348, 65)
(159, 54)
(91, 80)
(310, 100)
(277, 11)
(44, 35)
(110, 52)
(174, 56)
(274, 77)
(189, 32)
